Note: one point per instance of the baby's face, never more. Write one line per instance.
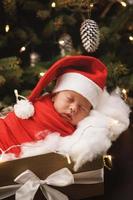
(71, 106)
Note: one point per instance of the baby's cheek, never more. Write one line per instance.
(78, 118)
(82, 115)
(65, 105)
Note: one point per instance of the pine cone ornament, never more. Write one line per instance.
(90, 35)
(65, 44)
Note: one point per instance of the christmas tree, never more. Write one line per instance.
(35, 33)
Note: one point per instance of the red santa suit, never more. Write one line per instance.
(46, 120)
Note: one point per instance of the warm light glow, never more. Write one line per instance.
(116, 121)
(91, 5)
(109, 157)
(1, 156)
(68, 159)
(1, 159)
(123, 3)
(34, 56)
(107, 164)
(42, 73)
(124, 91)
(131, 38)
(7, 28)
(22, 49)
(61, 42)
(53, 4)
(124, 94)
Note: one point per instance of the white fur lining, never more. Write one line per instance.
(80, 84)
(92, 137)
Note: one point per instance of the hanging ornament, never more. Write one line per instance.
(65, 44)
(90, 35)
(34, 58)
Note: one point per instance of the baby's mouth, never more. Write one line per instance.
(68, 117)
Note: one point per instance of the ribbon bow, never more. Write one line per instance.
(29, 184)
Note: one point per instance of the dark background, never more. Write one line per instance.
(119, 180)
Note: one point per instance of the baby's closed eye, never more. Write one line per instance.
(70, 99)
(83, 108)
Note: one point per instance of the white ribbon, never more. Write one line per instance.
(28, 184)
(89, 177)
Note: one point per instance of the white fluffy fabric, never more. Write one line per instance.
(96, 132)
(50, 144)
(93, 136)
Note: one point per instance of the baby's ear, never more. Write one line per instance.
(53, 97)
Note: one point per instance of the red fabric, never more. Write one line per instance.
(15, 131)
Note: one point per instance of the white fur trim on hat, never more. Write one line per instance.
(80, 84)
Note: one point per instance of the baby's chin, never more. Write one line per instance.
(70, 120)
(74, 123)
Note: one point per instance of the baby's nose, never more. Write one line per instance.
(73, 108)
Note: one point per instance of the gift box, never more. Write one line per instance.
(88, 180)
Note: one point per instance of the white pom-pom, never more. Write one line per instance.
(24, 109)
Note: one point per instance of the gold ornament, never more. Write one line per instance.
(107, 160)
(65, 44)
(34, 58)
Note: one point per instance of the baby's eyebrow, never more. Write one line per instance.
(69, 96)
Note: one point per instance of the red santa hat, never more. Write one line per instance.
(83, 74)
